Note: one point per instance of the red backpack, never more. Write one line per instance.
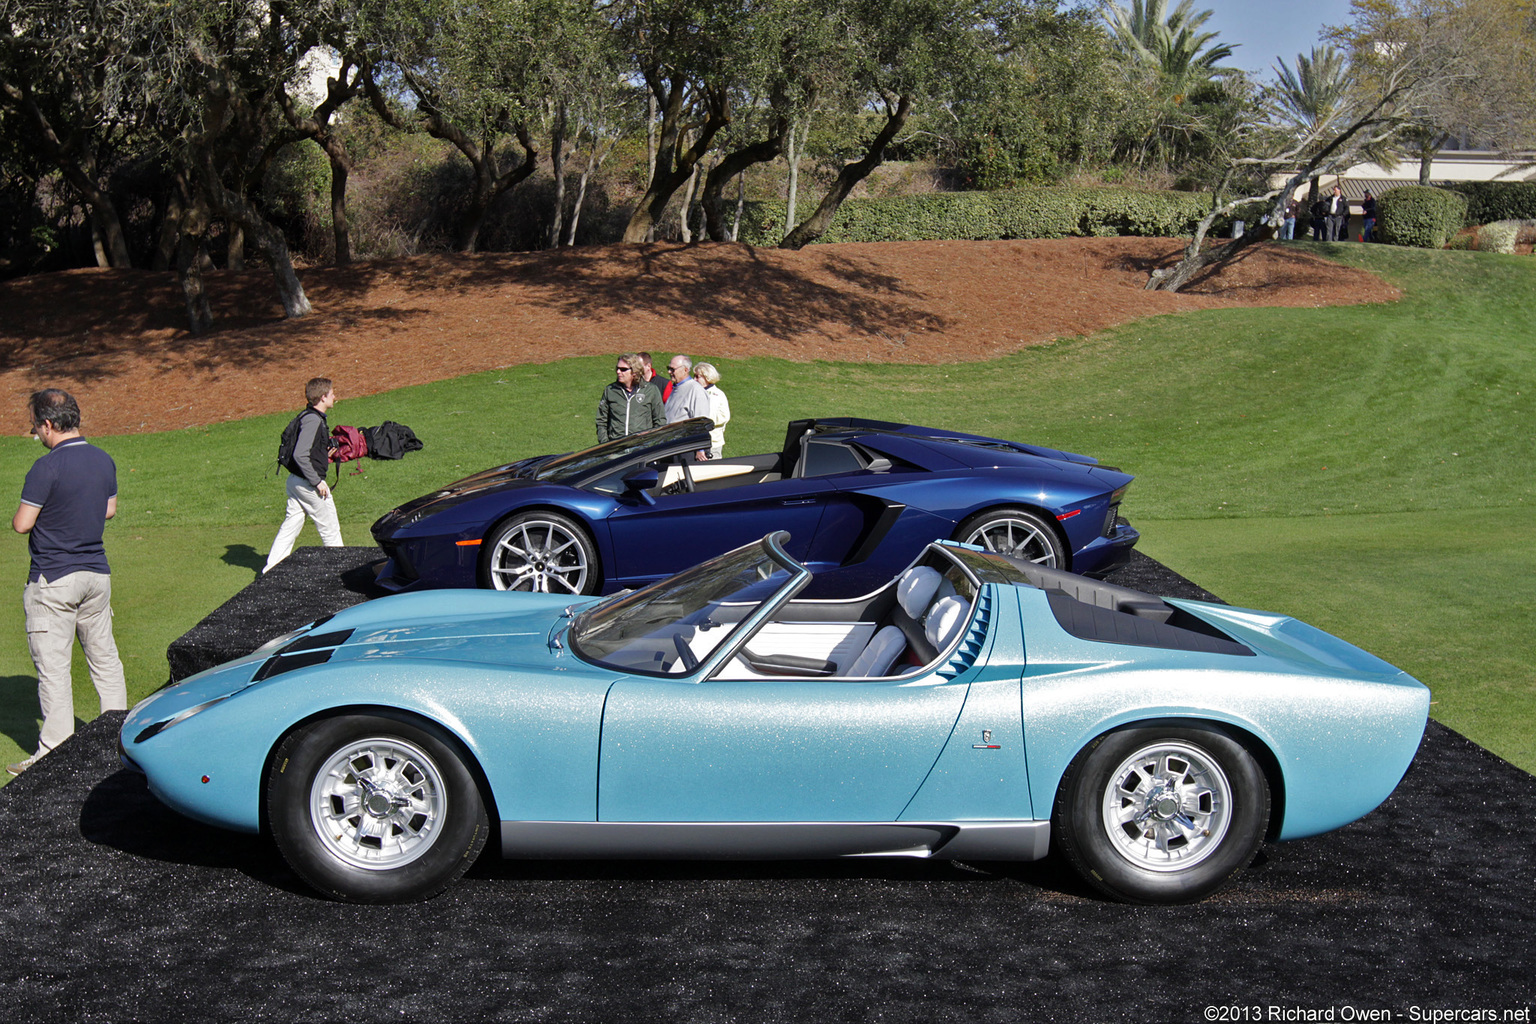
(348, 443)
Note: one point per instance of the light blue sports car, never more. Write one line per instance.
(975, 707)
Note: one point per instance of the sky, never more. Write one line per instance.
(1268, 30)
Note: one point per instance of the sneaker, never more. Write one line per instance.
(21, 766)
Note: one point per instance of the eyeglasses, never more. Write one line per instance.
(622, 369)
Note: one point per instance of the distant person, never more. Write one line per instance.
(628, 405)
(68, 496)
(306, 455)
(1288, 225)
(719, 407)
(1338, 216)
(686, 399)
(648, 375)
(1368, 216)
(1319, 212)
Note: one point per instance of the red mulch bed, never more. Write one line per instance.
(117, 338)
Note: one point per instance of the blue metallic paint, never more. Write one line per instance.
(983, 736)
(935, 481)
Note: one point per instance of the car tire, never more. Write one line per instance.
(543, 552)
(374, 808)
(1017, 533)
(1161, 812)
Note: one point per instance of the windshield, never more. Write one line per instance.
(671, 626)
(988, 566)
(564, 468)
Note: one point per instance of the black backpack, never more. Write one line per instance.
(287, 443)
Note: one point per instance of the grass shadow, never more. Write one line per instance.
(244, 556)
(18, 711)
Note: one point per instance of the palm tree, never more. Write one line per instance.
(1169, 41)
(1316, 97)
(1315, 94)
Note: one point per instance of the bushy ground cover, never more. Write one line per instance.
(1367, 469)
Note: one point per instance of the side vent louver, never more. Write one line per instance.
(965, 655)
(311, 649)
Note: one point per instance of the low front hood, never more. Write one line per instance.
(503, 478)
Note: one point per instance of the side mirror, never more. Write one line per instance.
(642, 482)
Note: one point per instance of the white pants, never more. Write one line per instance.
(79, 604)
(304, 501)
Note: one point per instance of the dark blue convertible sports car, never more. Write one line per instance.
(860, 497)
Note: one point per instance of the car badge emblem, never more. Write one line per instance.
(986, 742)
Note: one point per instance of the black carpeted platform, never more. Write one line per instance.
(311, 582)
(116, 909)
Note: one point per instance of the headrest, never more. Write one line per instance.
(916, 589)
(945, 621)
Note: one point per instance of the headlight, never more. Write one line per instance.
(157, 728)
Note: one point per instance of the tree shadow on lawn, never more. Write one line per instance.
(89, 324)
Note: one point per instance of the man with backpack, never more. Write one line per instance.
(304, 451)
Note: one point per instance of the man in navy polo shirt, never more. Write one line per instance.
(68, 496)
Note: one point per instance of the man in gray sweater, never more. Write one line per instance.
(306, 462)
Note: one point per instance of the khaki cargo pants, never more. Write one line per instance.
(79, 604)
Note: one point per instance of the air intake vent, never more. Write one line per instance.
(310, 649)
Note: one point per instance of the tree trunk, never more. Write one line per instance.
(339, 90)
(235, 210)
(341, 230)
(170, 232)
(741, 202)
(1426, 161)
(817, 223)
(1190, 267)
(581, 197)
(80, 172)
(489, 186)
(557, 169)
(192, 221)
(684, 229)
(674, 163)
(796, 148)
(234, 258)
(733, 166)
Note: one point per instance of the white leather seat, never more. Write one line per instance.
(879, 654)
(916, 588)
(945, 620)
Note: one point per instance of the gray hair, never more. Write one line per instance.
(708, 372)
(687, 363)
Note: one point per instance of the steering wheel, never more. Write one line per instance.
(684, 652)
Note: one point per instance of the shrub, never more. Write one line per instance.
(1419, 215)
(1049, 212)
(1499, 236)
(1490, 201)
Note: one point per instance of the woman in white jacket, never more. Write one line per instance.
(719, 406)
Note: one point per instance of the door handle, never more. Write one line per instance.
(799, 501)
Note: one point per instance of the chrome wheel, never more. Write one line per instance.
(544, 553)
(377, 803)
(1161, 811)
(1015, 533)
(1167, 807)
(376, 808)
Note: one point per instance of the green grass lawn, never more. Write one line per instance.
(1368, 469)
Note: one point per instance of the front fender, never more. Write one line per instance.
(535, 737)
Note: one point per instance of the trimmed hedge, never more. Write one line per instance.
(1491, 201)
(1047, 212)
(1420, 215)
